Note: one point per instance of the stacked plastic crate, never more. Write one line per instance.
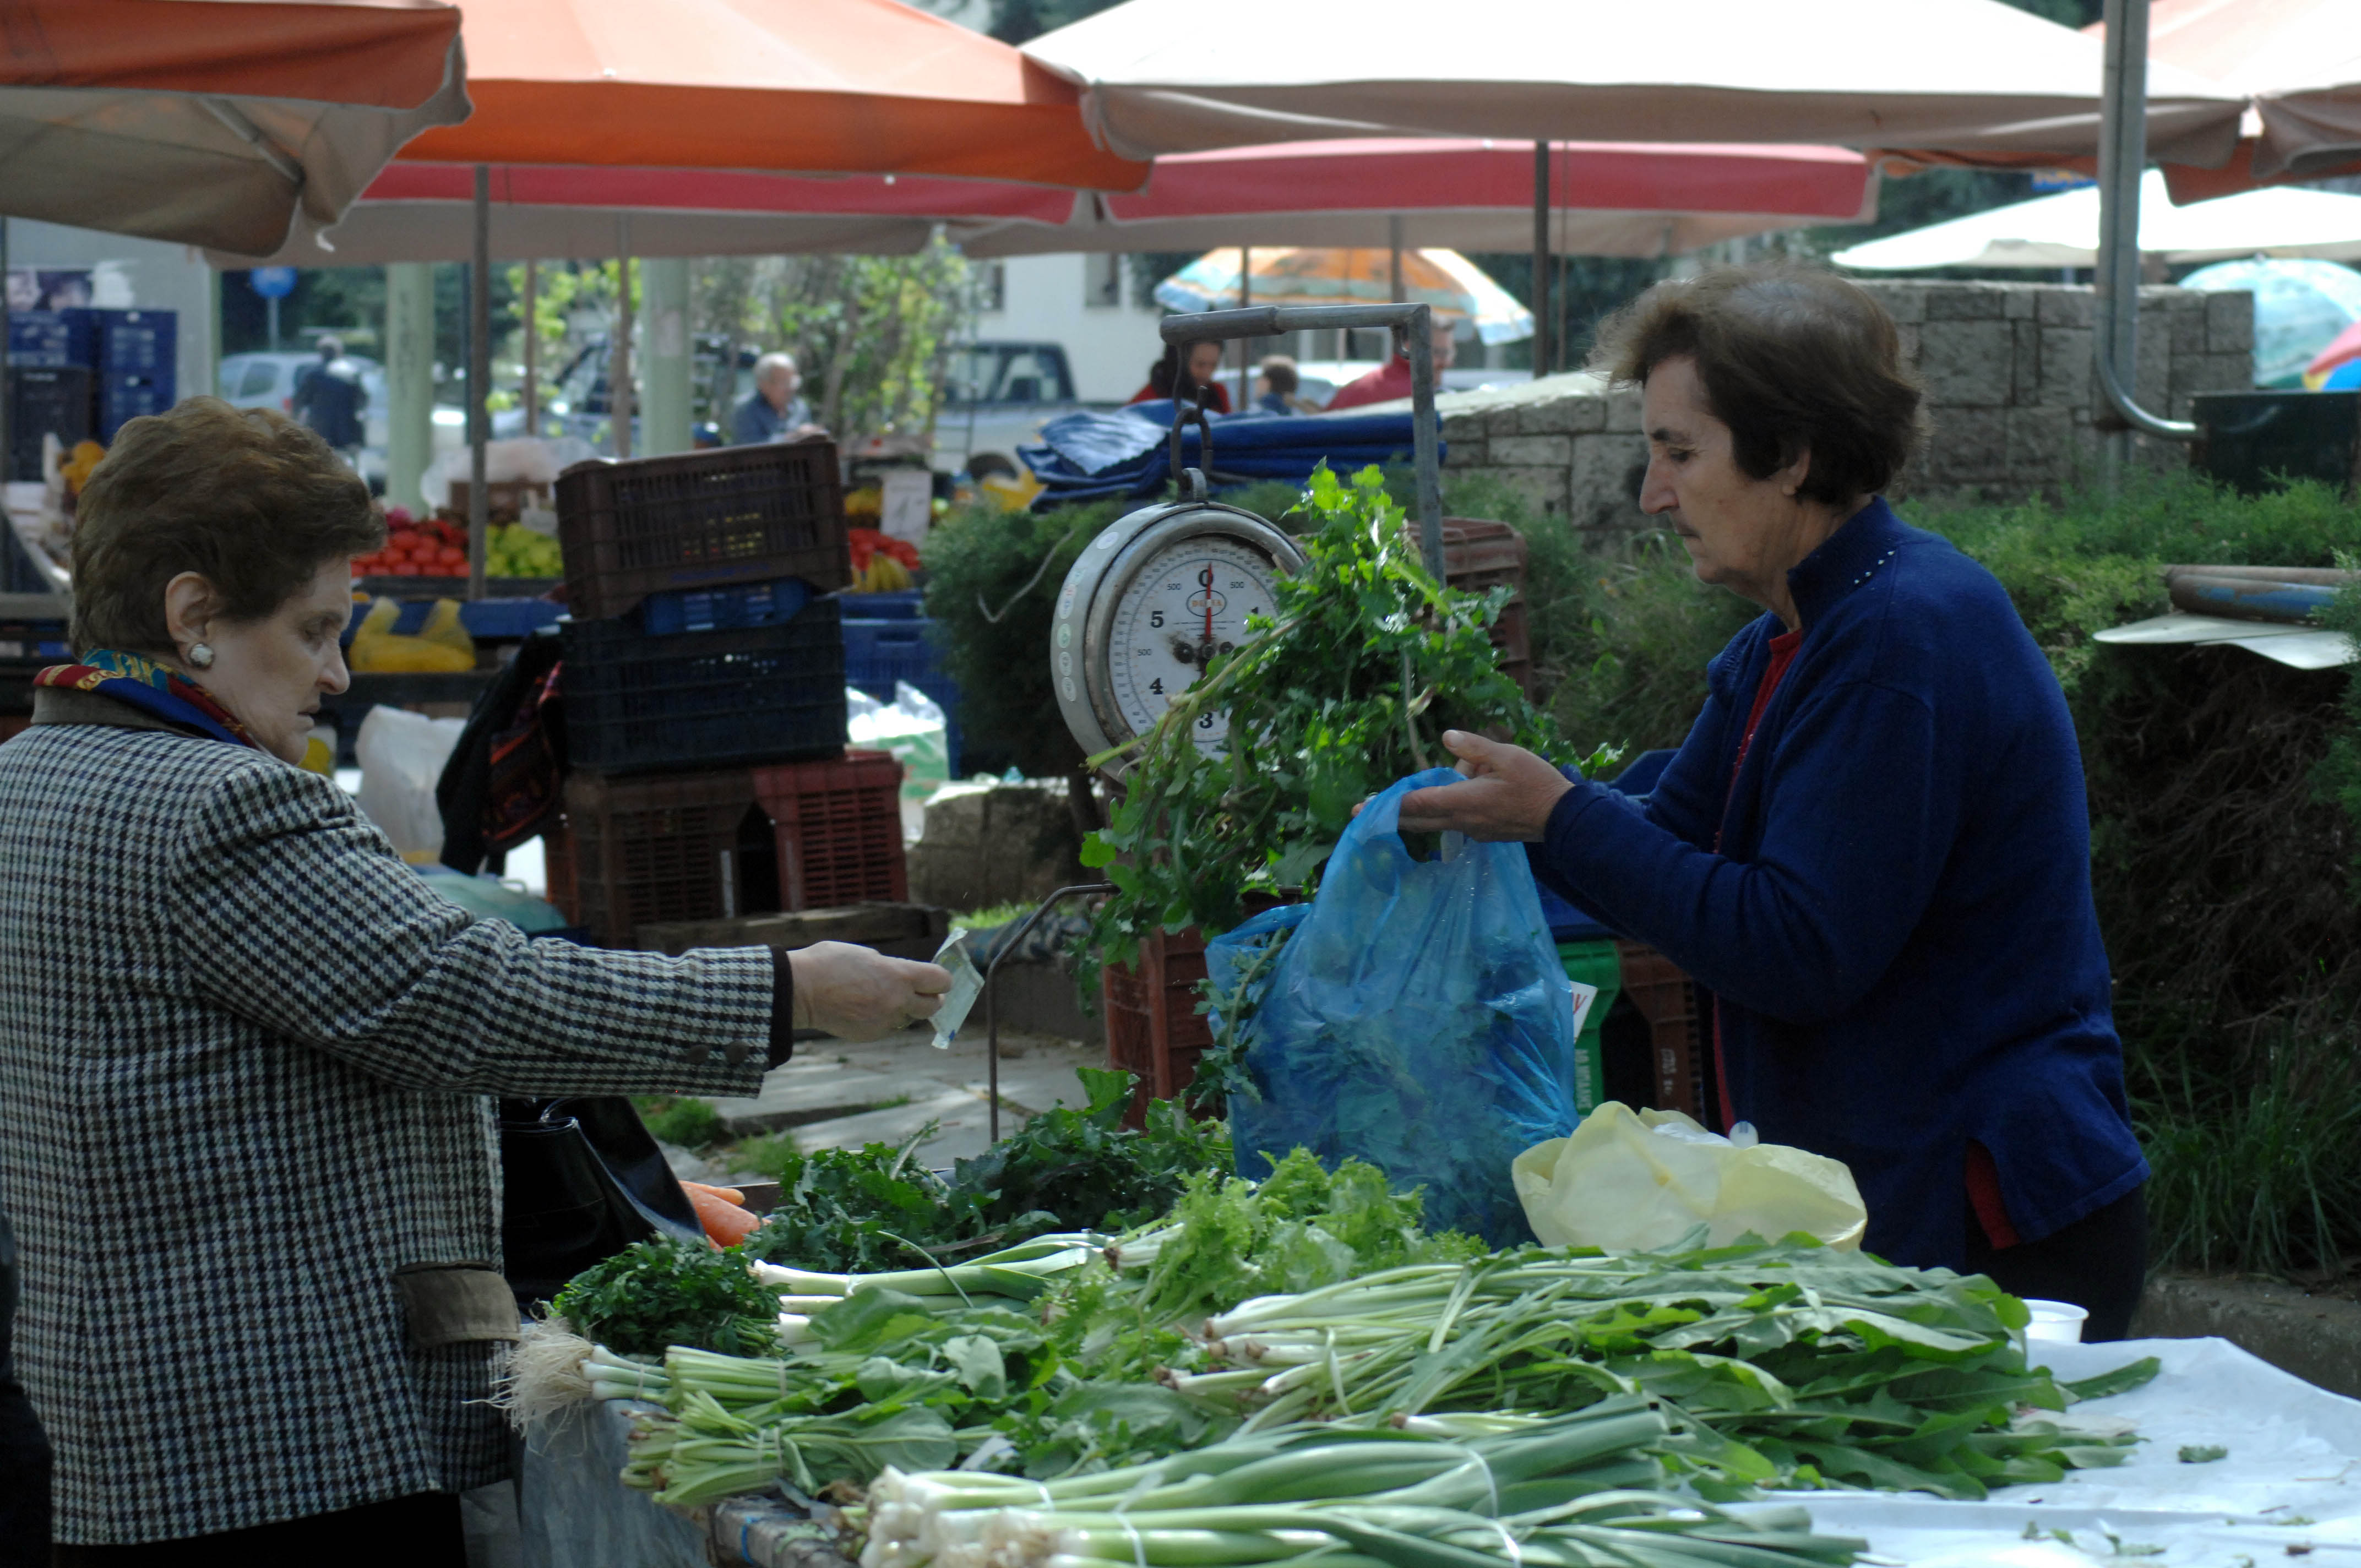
(78, 375)
(704, 683)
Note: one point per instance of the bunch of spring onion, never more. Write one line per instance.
(1807, 1367)
(1423, 1492)
(1017, 1273)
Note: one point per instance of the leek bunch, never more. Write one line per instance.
(1419, 1493)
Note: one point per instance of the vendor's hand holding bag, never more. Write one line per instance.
(1416, 1017)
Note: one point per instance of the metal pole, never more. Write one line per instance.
(992, 995)
(2123, 158)
(480, 384)
(619, 400)
(531, 348)
(1424, 434)
(8, 383)
(1541, 288)
(1401, 291)
(271, 312)
(1246, 298)
(1416, 320)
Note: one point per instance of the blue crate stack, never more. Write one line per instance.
(80, 374)
(887, 638)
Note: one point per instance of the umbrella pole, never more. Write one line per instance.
(1246, 298)
(619, 400)
(7, 449)
(1540, 290)
(531, 348)
(480, 384)
(2123, 157)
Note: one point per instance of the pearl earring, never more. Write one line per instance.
(201, 655)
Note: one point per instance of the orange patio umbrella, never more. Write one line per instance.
(777, 86)
(803, 86)
(215, 122)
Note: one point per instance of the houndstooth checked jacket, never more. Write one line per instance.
(244, 1056)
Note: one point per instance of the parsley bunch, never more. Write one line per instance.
(1348, 686)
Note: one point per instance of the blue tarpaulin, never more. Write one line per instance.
(1092, 454)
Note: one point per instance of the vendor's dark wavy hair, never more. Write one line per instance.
(247, 498)
(1793, 358)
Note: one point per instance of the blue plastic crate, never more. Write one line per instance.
(130, 343)
(906, 604)
(879, 652)
(722, 608)
(703, 699)
(507, 619)
(124, 397)
(48, 338)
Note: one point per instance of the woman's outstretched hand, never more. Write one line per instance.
(1507, 797)
(856, 993)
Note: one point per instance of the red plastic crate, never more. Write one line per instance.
(838, 823)
(732, 514)
(1479, 556)
(1667, 999)
(1154, 1029)
(667, 847)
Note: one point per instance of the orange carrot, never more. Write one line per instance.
(725, 1223)
(727, 1194)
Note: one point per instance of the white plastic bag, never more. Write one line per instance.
(1627, 1181)
(914, 730)
(402, 755)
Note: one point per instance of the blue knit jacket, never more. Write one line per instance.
(1897, 919)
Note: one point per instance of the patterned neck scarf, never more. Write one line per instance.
(151, 688)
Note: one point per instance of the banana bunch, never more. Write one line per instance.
(439, 646)
(883, 575)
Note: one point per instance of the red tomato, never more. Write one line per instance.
(406, 569)
(452, 556)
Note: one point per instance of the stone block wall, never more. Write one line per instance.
(2011, 400)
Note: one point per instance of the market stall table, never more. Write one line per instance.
(2291, 1479)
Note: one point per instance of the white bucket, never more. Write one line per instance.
(2058, 1323)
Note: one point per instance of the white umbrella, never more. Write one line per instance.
(1456, 288)
(1963, 76)
(2063, 231)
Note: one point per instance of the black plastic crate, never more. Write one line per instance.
(726, 516)
(45, 400)
(704, 699)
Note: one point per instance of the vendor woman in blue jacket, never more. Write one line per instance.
(1873, 849)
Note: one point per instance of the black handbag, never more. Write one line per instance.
(582, 1179)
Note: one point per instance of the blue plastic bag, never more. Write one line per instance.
(1417, 1016)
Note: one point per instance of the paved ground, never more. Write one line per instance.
(842, 1094)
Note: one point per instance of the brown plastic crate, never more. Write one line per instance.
(1154, 1029)
(1480, 555)
(838, 823)
(732, 514)
(667, 847)
(1667, 999)
(557, 868)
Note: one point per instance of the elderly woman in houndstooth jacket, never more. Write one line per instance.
(246, 1053)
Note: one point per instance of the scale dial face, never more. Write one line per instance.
(1188, 602)
(1155, 596)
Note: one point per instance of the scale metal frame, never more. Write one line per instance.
(1081, 659)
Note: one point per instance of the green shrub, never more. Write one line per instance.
(2258, 1177)
(685, 1122)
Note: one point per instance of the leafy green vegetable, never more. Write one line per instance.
(655, 1294)
(1362, 664)
(2201, 1453)
(877, 1208)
